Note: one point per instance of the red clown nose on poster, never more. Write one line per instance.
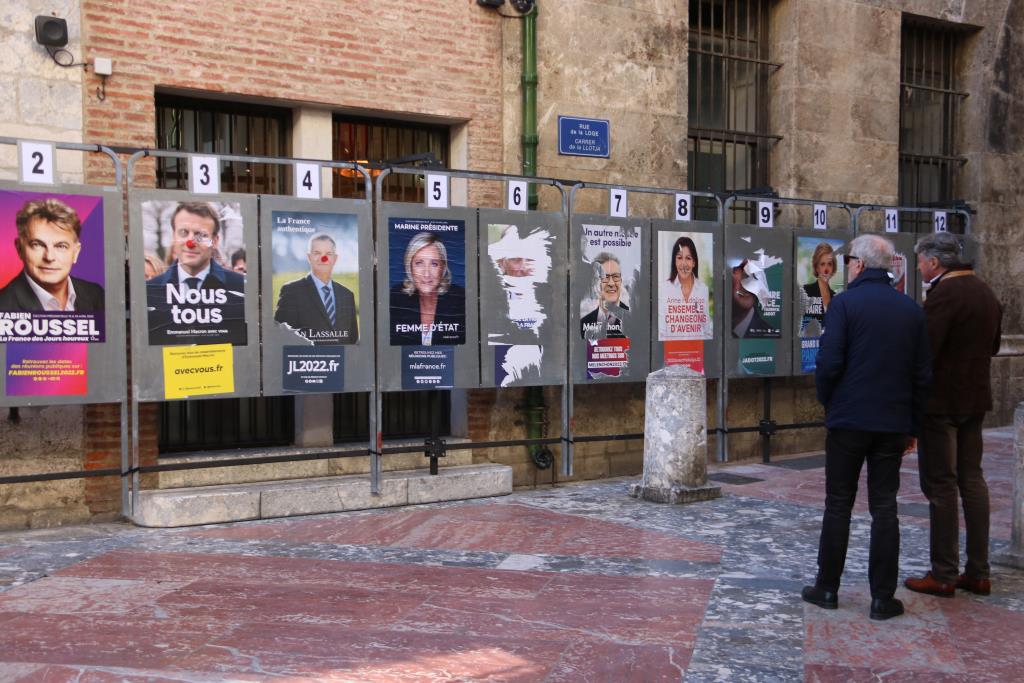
(191, 244)
(324, 259)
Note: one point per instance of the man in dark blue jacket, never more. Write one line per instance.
(873, 373)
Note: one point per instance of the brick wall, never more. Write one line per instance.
(386, 58)
(389, 57)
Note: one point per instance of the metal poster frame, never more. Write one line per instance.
(253, 303)
(652, 227)
(905, 240)
(357, 356)
(786, 344)
(103, 355)
(380, 269)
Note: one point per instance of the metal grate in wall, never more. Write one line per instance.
(729, 138)
(403, 414)
(215, 127)
(930, 103)
(375, 141)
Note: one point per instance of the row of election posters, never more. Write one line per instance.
(234, 297)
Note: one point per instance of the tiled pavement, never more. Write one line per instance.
(577, 583)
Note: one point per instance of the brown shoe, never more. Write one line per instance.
(976, 586)
(932, 586)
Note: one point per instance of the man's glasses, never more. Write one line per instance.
(847, 258)
(197, 237)
(615, 277)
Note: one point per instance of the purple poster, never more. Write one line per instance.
(51, 268)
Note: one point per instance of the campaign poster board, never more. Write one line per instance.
(193, 282)
(316, 341)
(687, 318)
(820, 275)
(757, 324)
(62, 328)
(522, 298)
(428, 303)
(610, 299)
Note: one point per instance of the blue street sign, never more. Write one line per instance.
(583, 137)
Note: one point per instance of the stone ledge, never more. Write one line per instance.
(267, 500)
(675, 495)
(298, 469)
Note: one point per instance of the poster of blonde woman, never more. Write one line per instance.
(685, 284)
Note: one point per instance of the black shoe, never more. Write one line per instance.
(885, 608)
(820, 597)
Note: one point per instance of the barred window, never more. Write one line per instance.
(729, 137)
(929, 111)
(215, 127)
(403, 414)
(394, 142)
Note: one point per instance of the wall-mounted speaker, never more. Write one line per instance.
(51, 31)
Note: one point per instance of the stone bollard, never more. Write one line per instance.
(675, 439)
(1013, 556)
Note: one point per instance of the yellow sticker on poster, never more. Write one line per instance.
(198, 370)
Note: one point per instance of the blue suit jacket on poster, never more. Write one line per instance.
(230, 330)
(874, 365)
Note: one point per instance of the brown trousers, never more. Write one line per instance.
(949, 462)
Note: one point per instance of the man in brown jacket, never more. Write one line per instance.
(964, 326)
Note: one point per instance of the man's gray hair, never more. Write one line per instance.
(320, 237)
(874, 251)
(943, 246)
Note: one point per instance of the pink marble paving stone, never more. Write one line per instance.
(496, 527)
(226, 616)
(936, 640)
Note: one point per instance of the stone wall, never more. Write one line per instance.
(41, 100)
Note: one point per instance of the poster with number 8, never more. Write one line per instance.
(684, 207)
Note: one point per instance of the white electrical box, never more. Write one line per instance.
(103, 66)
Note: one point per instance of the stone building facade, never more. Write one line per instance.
(833, 102)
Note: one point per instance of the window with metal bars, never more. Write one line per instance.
(728, 139)
(214, 127)
(929, 110)
(403, 414)
(394, 142)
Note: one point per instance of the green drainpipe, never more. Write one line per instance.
(534, 409)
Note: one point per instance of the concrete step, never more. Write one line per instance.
(301, 469)
(271, 499)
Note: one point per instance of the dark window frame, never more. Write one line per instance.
(729, 137)
(404, 415)
(930, 104)
(221, 125)
(224, 424)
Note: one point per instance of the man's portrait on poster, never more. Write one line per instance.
(315, 306)
(51, 292)
(197, 299)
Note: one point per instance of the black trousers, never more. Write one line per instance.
(845, 453)
(949, 461)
